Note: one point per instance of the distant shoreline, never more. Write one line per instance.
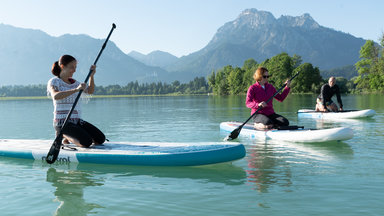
(99, 96)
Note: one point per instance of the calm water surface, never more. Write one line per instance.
(345, 178)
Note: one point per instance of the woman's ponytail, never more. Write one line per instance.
(56, 69)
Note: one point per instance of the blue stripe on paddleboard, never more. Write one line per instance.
(178, 159)
(24, 155)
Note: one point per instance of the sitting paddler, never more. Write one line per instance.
(324, 101)
(64, 89)
(257, 96)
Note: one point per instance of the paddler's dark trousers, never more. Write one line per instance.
(84, 132)
(274, 119)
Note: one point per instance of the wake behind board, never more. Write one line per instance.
(297, 135)
(129, 153)
(346, 114)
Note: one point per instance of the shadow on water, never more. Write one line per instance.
(270, 163)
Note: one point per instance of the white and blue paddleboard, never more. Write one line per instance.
(346, 114)
(296, 135)
(129, 153)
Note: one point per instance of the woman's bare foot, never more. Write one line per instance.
(260, 126)
(68, 140)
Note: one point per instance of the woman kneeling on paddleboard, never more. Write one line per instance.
(257, 96)
(62, 88)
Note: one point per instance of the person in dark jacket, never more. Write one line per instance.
(324, 101)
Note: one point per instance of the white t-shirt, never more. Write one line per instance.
(63, 106)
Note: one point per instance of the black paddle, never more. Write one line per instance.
(235, 133)
(55, 148)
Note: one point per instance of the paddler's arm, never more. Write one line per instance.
(91, 87)
(284, 94)
(58, 95)
(339, 98)
(322, 92)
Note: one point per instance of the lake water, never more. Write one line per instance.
(345, 178)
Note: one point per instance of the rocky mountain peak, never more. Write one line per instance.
(253, 23)
(304, 21)
(248, 21)
(255, 18)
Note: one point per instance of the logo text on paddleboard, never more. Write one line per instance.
(63, 160)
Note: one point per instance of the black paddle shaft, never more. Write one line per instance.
(55, 148)
(235, 133)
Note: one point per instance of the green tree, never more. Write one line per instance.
(211, 81)
(371, 67)
(249, 68)
(342, 83)
(280, 68)
(221, 81)
(308, 78)
(235, 81)
(296, 61)
(249, 64)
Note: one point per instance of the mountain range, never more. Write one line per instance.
(26, 55)
(259, 35)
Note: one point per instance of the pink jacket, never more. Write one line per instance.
(256, 94)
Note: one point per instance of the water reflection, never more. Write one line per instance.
(360, 126)
(71, 181)
(226, 173)
(266, 169)
(270, 163)
(69, 192)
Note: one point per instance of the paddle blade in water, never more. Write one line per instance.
(54, 150)
(234, 134)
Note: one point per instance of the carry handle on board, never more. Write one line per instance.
(235, 133)
(55, 148)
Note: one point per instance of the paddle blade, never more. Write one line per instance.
(234, 134)
(54, 150)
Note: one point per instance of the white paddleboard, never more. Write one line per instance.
(347, 114)
(297, 135)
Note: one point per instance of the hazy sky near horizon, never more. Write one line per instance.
(180, 27)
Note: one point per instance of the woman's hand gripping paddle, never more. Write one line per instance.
(235, 133)
(55, 148)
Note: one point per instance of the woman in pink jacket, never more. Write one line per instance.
(257, 96)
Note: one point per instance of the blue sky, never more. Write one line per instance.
(180, 27)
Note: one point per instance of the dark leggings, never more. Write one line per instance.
(273, 119)
(84, 132)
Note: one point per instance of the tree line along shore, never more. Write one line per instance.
(236, 80)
